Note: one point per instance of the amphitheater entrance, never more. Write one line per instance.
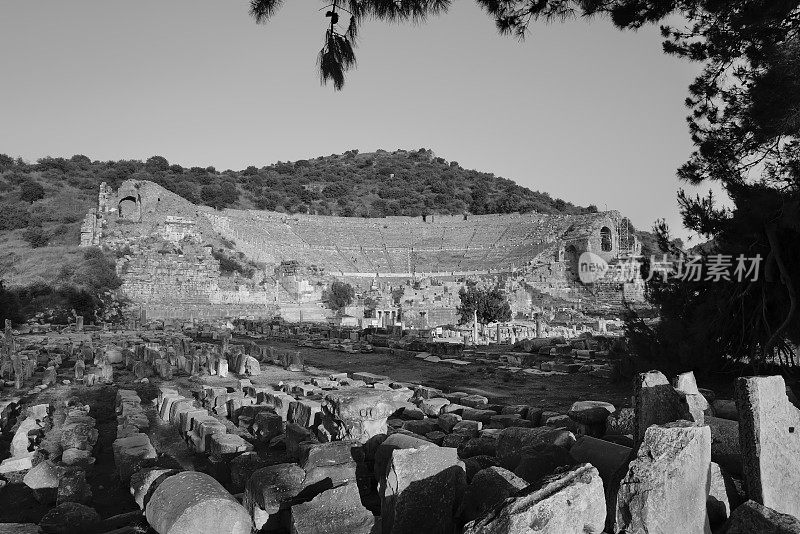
(129, 208)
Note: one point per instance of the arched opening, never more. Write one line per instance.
(128, 208)
(606, 243)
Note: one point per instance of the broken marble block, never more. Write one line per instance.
(144, 483)
(335, 511)
(512, 440)
(360, 413)
(656, 403)
(590, 417)
(270, 490)
(489, 487)
(194, 502)
(769, 433)
(569, 501)
(422, 491)
(131, 454)
(666, 486)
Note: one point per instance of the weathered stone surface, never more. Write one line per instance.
(144, 483)
(19, 528)
(72, 487)
(769, 434)
(383, 453)
(242, 467)
(194, 502)
(132, 454)
(512, 440)
(433, 407)
(752, 517)
(307, 413)
(43, 476)
(480, 446)
(474, 414)
(70, 518)
(591, 412)
(421, 427)
(17, 463)
(360, 414)
(327, 476)
(666, 486)
(271, 489)
(20, 442)
(78, 436)
(335, 511)
(332, 453)
(469, 428)
(295, 435)
(487, 488)
(571, 501)
(686, 383)
(422, 491)
(720, 495)
(226, 445)
(473, 401)
(447, 421)
(656, 403)
(79, 457)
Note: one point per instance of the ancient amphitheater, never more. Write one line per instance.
(139, 217)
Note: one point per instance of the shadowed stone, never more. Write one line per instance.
(513, 440)
(271, 489)
(656, 403)
(752, 517)
(145, 482)
(70, 518)
(422, 491)
(487, 488)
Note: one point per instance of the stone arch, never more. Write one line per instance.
(606, 240)
(129, 208)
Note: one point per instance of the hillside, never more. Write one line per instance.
(42, 204)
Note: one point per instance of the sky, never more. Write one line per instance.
(580, 110)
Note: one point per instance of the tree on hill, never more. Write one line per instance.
(340, 294)
(490, 304)
(30, 191)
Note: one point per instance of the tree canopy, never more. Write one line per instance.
(490, 304)
(340, 295)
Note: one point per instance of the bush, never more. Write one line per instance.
(31, 191)
(35, 236)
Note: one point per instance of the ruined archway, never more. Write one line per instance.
(606, 241)
(129, 208)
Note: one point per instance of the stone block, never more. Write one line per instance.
(304, 412)
(769, 435)
(607, 457)
(666, 486)
(325, 454)
(488, 488)
(359, 413)
(144, 483)
(571, 501)
(447, 421)
(132, 454)
(433, 407)
(295, 435)
(656, 403)
(271, 489)
(473, 401)
(752, 517)
(223, 445)
(422, 490)
(725, 446)
(335, 511)
(267, 425)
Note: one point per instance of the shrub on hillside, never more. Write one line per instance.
(35, 236)
(31, 191)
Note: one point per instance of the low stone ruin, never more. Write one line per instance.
(314, 453)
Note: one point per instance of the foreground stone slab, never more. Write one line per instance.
(334, 511)
(423, 490)
(752, 517)
(769, 433)
(666, 486)
(270, 489)
(607, 457)
(571, 501)
(194, 502)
